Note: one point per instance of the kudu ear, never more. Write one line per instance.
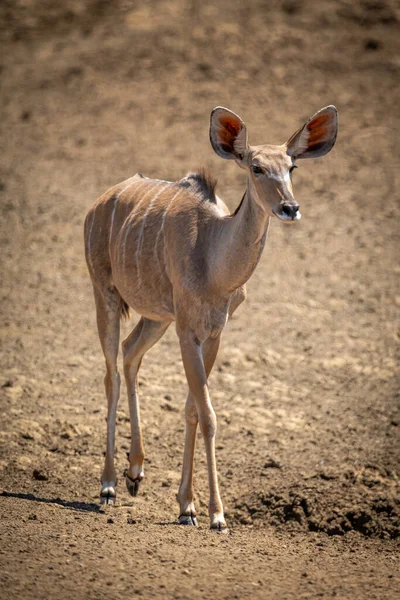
(317, 136)
(228, 134)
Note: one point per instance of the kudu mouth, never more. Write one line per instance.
(288, 212)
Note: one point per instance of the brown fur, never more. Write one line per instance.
(172, 252)
(203, 182)
(125, 313)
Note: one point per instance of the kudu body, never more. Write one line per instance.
(172, 252)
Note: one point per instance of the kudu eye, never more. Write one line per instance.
(292, 168)
(257, 170)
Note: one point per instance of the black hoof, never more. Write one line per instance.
(221, 527)
(132, 485)
(188, 520)
(107, 499)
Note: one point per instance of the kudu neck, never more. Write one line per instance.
(241, 241)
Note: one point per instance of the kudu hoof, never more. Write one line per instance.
(219, 526)
(108, 495)
(132, 485)
(188, 520)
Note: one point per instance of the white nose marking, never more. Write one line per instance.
(283, 177)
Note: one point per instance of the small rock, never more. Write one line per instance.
(327, 475)
(272, 464)
(68, 431)
(13, 390)
(23, 462)
(75, 361)
(39, 475)
(9, 383)
(130, 520)
(372, 44)
(29, 430)
(169, 407)
(292, 7)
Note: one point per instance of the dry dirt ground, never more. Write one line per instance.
(306, 383)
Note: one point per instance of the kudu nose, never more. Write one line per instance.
(290, 210)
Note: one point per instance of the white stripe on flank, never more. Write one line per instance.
(89, 239)
(115, 204)
(141, 232)
(158, 180)
(142, 181)
(129, 184)
(129, 220)
(163, 223)
(112, 222)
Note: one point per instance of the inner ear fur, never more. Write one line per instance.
(228, 134)
(317, 136)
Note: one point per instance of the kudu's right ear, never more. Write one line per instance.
(228, 133)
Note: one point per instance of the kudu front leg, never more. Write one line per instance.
(196, 374)
(185, 497)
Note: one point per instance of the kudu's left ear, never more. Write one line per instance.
(228, 133)
(317, 136)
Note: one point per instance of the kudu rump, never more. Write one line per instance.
(172, 252)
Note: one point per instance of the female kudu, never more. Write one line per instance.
(172, 252)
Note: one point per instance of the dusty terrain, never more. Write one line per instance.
(306, 383)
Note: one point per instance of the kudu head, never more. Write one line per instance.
(270, 167)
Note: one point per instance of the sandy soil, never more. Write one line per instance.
(306, 383)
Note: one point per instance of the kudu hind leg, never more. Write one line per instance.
(185, 497)
(140, 340)
(108, 308)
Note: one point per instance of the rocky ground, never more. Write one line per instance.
(306, 383)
